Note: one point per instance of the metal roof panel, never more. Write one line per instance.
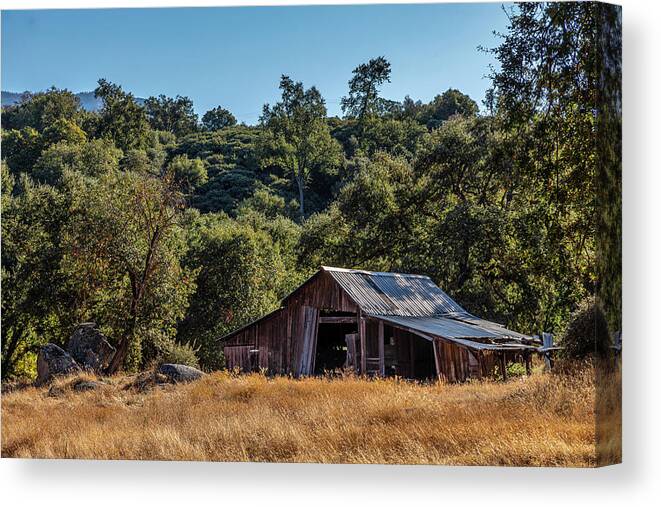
(395, 293)
(452, 330)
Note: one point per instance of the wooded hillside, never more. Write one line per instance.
(169, 230)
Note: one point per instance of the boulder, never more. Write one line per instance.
(179, 372)
(89, 347)
(52, 361)
(86, 385)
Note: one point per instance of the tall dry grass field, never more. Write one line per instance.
(541, 420)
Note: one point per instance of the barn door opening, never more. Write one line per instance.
(335, 336)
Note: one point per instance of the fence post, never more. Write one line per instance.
(547, 342)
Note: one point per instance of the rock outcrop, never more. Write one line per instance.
(53, 361)
(179, 372)
(90, 348)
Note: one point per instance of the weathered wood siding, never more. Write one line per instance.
(237, 357)
(452, 361)
(324, 293)
(286, 340)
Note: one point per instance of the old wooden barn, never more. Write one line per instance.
(378, 324)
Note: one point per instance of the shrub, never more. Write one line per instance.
(179, 354)
(587, 333)
(516, 370)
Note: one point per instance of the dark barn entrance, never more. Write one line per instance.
(408, 355)
(331, 354)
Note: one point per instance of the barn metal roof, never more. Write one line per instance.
(454, 330)
(415, 302)
(498, 329)
(394, 293)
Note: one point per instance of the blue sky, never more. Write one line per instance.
(234, 56)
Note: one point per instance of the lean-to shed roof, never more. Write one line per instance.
(458, 332)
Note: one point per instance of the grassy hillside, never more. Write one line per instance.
(545, 420)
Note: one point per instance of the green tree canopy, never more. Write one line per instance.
(40, 110)
(243, 275)
(449, 103)
(21, 149)
(36, 307)
(122, 249)
(189, 173)
(121, 118)
(92, 158)
(363, 98)
(559, 82)
(175, 115)
(296, 135)
(217, 118)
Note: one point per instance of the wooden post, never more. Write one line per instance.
(363, 345)
(411, 337)
(528, 364)
(436, 360)
(382, 351)
(288, 351)
(503, 365)
(479, 364)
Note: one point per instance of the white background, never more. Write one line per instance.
(636, 482)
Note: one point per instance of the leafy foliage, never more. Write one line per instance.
(122, 250)
(32, 300)
(169, 234)
(40, 110)
(21, 148)
(363, 99)
(587, 332)
(175, 115)
(452, 102)
(243, 275)
(296, 136)
(121, 118)
(93, 158)
(217, 118)
(189, 173)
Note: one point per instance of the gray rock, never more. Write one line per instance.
(179, 372)
(52, 361)
(86, 385)
(89, 347)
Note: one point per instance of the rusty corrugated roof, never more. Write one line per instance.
(394, 293)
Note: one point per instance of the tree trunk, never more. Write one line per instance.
(7, 363)
(301, 197)
(119, 357)
(125, 342)
(138, 290)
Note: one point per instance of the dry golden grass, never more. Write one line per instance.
(609, 415)
(540, 420)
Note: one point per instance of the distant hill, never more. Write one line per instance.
(87, 100)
